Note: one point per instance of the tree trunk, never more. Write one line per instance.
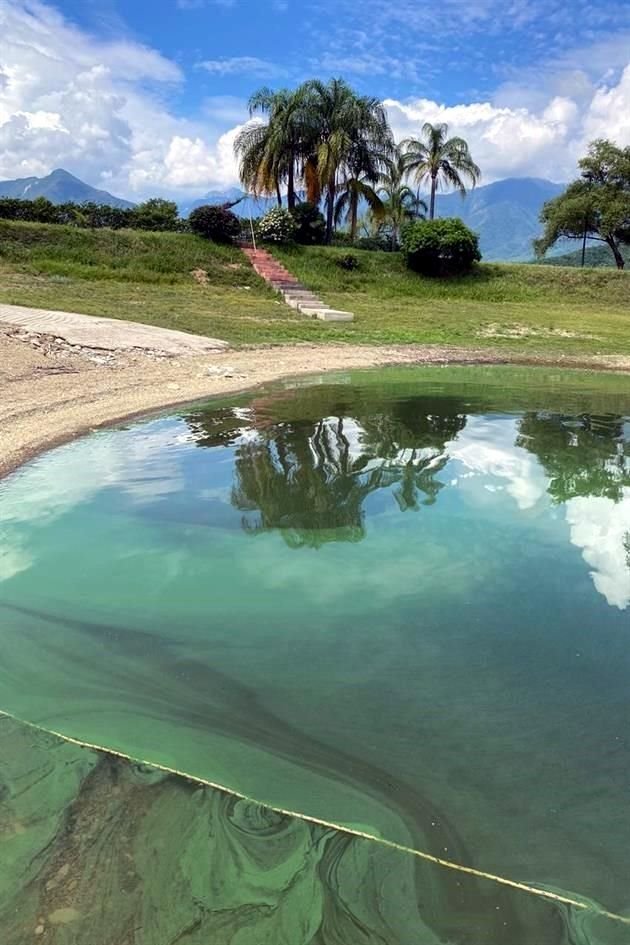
(433, 190)
(330, 210)
(615, 251)
(354, 213)
(291, 184)
(278, 194)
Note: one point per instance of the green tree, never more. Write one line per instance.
(358, 184)
(596, 206)
(399, 202)
(440, 161)
(155, 214)
(272, 154)
(342, 129)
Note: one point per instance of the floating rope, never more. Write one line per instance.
(547, 894)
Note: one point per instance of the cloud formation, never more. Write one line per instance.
(107, 110)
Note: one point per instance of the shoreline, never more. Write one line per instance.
(47, 400)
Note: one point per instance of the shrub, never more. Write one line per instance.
(277, 226)
(440, 247)
(215, 223)
(310, 226)
(348, 261)
(155, 214)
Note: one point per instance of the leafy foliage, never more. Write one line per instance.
(349, 262)
(277, 226)
(215, 223)
(597, 206)
(323, 135)
(439, 160)
(440, 247)
(155, 214)
(310, 226)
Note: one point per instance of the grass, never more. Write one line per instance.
(147, 277)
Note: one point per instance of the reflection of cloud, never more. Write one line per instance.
(486, 448)
(599, 527)
(42, 492)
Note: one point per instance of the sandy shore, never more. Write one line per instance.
(49, 396)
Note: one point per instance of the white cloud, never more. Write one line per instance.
(487, 449)
(600, 527)
(543, 140)
(97, 106)
(242, 65)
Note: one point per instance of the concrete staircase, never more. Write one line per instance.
(293, 292)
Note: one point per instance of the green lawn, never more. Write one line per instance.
(148, 277)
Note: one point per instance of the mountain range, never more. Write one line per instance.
(59, 187)
(504, 213)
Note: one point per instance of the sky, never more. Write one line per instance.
(145, 97)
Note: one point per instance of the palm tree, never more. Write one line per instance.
(441, 160)
(273, 153)
(341, 124)
(399, 202)
(362, 173)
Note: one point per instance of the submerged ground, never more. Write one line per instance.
(301, 594)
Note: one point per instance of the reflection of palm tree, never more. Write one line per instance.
(583, 456)
(310, 477)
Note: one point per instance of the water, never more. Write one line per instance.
(393, 600)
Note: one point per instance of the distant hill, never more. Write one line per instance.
(249, 206)
(59, 187)
(597, 257)
(505, 214)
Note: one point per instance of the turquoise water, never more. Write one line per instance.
(394, 600)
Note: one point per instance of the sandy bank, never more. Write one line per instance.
(49, 396)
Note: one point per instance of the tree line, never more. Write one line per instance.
(327, 143)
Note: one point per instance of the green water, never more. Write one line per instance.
(393, 600)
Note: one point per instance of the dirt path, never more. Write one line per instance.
(50, 393)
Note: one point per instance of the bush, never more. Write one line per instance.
(277, 226)
(215, 223)
(310, 226)
(348, 262)
(440, 247)
(155, 214)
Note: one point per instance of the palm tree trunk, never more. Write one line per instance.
(291, 183)
(330, 210)
(278, 194)
(433, 190)
(354, 214)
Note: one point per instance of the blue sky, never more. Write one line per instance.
(145, 95)
(459, 50)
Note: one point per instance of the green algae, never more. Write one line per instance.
(323, 597)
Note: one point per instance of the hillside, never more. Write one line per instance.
(596, 257)
(180, 281)
(505, 214)
(59, 187)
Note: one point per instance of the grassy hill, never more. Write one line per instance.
(596, 257)
(180, 281)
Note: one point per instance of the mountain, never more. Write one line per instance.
(59, 187)
(505, 214)
(249, 206)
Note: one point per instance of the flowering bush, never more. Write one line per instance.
(277, 226)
